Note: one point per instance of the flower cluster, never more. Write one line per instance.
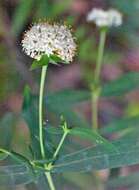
(49, 39)
(105, 18)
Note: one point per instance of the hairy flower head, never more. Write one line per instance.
(49, 39)
(103, 18)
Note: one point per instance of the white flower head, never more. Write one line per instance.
(103, 18)
(49, 39)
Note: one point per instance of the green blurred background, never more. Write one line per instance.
(121, 56)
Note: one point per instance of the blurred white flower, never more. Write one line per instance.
(49, 39)
(103, 18)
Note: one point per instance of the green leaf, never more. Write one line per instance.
(54, 59)
(30, 115)
(7, 124)
(30, 111)
(43, 61)
(118, 87)
(120, 125)
(122, 85)
(17, 174)
(96, 158)
(15, 156)
(21, 14)
(3, 156)
(89, 134)
(35, 65)
(70, 97)
(20, 158)
(84, 133)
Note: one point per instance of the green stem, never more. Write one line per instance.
(42, 83)
(48, 174)
(50, 180)
(60, 144)
(95, 90)
(100, 55)
(94, 111)
(41, 138)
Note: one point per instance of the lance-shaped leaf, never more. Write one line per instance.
(66, 98)
(15, 174)
(30, 115)
(93, 136)
(96, 158)
(30, 111)
(120, 125)
(122, 85)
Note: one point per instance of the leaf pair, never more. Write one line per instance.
(45, 60)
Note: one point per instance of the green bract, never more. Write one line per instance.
(45, 60)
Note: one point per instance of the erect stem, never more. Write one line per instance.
(95, 89)
(100, 55)
(94, 111)
(42, 83)
(48, 174)
(50, 180)
(41, 138)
